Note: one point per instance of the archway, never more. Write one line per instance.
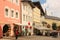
(15, 27)
(6, 30)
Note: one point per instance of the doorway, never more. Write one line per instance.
(6, 28)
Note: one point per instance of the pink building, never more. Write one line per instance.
(10, 16)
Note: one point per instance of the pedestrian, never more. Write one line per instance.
(16, 34)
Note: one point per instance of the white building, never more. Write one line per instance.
(27, 16)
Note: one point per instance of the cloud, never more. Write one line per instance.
(52, 6)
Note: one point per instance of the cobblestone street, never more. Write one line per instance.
(33, 38)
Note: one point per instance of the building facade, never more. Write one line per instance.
(51, 19)
(27, 17)
(36, 16)
(38, 12)
(10, 16)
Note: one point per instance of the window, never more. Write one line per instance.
(16, 14)
(17, 1)
(24, 17)
(11, 0)
(24, 7)
(12, 13)
(28, 18)
(6, 10)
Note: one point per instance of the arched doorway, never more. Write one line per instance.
(6, 28)
(15, 27)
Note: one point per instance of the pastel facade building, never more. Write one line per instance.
(51, 19)
(10, 16)
(27, 17)
(38, 16)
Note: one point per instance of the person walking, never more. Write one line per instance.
(16, 34)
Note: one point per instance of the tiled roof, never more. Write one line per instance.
(52, 17)
(33, 4)
(29, 1)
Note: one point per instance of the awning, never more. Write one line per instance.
(17, 23)
(43, 28)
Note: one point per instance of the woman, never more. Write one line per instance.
(16, 34)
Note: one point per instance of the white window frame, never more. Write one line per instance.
(12, 1)
(23, 6)
(18, 14)
(16, 2)
(24, 17)
(13, 13)
(8, 11)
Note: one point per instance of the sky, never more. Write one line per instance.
(52, 7)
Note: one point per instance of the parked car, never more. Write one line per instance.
(54, 34)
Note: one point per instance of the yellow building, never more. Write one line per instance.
(37, 14)
(38, 17)
(51, 19)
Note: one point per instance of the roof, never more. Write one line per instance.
(39, 6)
(33, 4)
(42, 28)
(29, 1)
(52, 17)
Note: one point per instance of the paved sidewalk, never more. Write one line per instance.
(32, 38)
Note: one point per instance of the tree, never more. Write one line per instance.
(54, 26)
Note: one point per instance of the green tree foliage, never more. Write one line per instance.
(54, 26)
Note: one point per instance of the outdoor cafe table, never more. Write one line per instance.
(56, 31)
